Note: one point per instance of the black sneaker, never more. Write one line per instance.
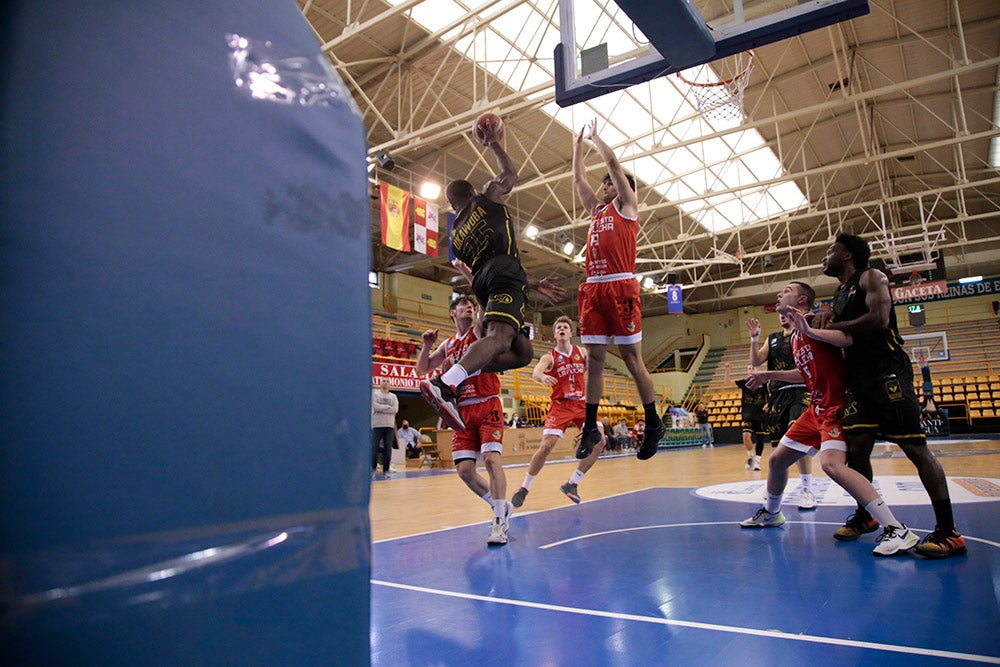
(518, 498)
(589, 436)
(650, 441)
(444, 401)
(571, 491)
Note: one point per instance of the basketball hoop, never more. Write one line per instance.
(718, 89)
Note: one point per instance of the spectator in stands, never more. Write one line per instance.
(410, 437)
(563, 370)
(385, 405)
(638, 432)
(786, 400)
(707, 438)
(621, 436)
(880, 395)
(478, 401)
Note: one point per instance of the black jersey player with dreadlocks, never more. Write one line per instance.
(880, 395)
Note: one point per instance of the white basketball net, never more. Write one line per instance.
(718, 87)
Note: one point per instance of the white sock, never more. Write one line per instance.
(488, 498)
(528, 479)
(499, 508)
(576, 477)
(455, 376)
(806, 481)
(878, 509)
(773, 503)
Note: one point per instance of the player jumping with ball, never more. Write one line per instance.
(484, 242)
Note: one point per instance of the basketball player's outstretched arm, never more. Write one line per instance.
(628, 202)
(506, 179)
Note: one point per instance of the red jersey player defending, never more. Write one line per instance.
(480, 408)
(819, 362)
(562, 370)
(609, 301)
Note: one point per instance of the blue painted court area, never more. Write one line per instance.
(663, 576)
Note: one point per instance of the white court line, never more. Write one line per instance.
(730, 523)
(517, 513)
(775, 634)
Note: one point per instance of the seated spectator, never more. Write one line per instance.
(621, 437)
(410, 437)
(639, 432)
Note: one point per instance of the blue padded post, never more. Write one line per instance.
(185, 369)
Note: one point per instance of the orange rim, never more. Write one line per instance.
(726, 82)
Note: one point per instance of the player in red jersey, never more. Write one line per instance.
(819, 363)
(563, 370)
(609, 301)
(479, 404)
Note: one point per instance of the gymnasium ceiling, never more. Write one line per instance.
(884, 123)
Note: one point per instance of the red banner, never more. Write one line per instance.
(395, 217)
(400, 376)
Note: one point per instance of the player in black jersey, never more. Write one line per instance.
(484, 242)
(752, 412)
(880, 395)
(786, 401)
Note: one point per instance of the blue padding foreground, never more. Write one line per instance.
(184, 363)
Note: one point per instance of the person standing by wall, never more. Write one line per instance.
(707, 439)
(385, 405)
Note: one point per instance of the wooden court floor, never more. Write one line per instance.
(416, 502)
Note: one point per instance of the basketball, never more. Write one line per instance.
(483, 125)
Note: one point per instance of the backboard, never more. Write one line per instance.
(607, 45)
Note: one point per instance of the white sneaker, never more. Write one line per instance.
(895, 540)
(749, 463)
(807, 499)
(498, 533)
(756, 464)
(763, 519)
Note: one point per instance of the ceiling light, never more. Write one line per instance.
(568, 248)
(531, 232)
(430, 190)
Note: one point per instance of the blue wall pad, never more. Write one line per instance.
(184, 370)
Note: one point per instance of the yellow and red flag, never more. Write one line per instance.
(395, 217)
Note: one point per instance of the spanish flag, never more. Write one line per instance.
(395, 217)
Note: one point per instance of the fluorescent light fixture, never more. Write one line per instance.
(430, 190)
(531, 232)
(970, 279)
